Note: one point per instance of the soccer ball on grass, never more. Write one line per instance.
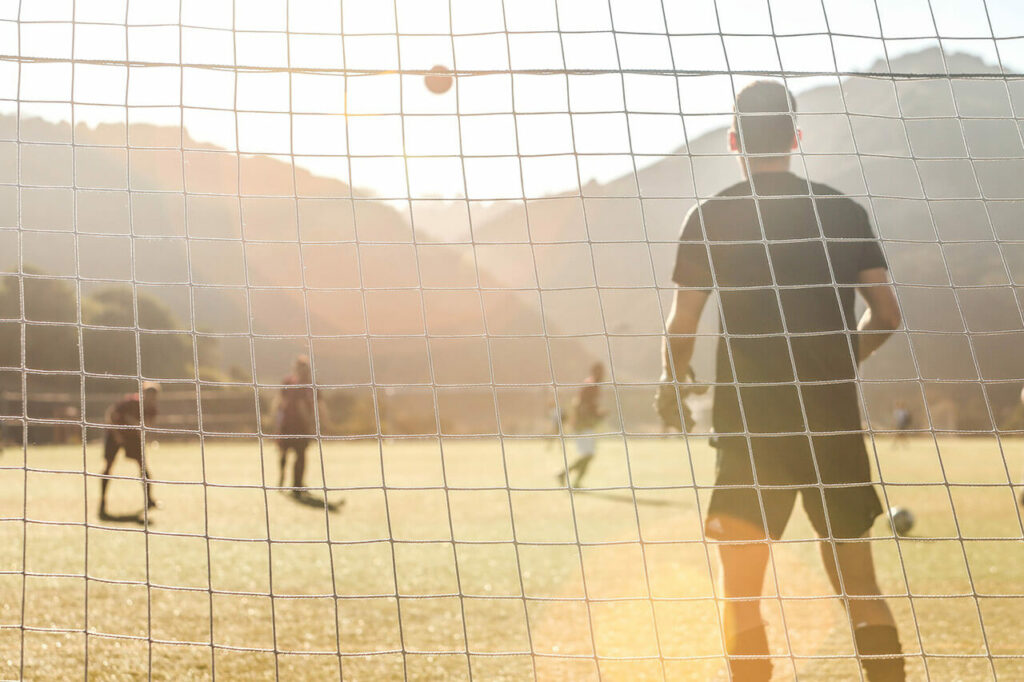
(902, 520)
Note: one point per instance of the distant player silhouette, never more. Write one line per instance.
(295, 421)
(127, 419)
(585, 416)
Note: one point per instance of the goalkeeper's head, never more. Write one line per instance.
(763, 120)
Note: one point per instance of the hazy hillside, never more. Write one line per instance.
(232, 243)
(246, 246)
(939, 223)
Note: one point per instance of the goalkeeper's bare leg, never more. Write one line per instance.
(743, 570)
(874, 627)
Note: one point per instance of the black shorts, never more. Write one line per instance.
(129, 439)
(785, 467)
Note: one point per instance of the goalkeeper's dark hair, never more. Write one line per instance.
(764, 134)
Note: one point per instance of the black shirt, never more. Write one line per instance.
(785, 265)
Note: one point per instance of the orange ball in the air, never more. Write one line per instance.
(439, 80)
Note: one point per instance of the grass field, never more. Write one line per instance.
(182, 591)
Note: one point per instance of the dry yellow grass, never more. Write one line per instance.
(154, 602)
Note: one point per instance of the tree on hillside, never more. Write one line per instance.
(47, 346)
(165, 353)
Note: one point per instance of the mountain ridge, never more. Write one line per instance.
(459, 292)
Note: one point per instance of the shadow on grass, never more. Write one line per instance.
(309, 500)
(135, 517)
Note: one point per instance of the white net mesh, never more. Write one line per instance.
(198, 193)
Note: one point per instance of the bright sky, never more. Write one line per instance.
(389, 116)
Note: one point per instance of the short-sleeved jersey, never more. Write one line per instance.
(295, 411)
(785, 265)
(128, 411)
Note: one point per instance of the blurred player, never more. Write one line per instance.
(786, 414)
(128, 419)
(296, 422)
(586, 414)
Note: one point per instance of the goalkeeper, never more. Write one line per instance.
(784, 257)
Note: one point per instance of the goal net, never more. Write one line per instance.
(396, 276)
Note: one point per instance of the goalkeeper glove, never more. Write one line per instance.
(671, 405)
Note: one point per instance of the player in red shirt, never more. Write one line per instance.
(128, 419)
(296, 423)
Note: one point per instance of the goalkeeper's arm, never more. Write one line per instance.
(687, 306)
